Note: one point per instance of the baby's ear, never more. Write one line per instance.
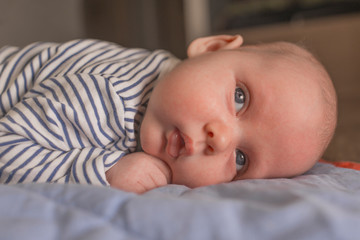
(213, 43)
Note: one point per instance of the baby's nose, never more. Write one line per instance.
(218, 137)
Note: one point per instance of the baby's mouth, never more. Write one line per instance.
(179, 144)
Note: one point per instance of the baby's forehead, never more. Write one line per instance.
(279, 57)
(283, 48)
(281, 51)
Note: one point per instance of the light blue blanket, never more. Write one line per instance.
(322, 204)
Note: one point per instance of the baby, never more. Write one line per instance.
(226, 113)
(231, 112)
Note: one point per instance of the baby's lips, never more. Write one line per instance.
(188, 148)
(179, 144)
(175, 144)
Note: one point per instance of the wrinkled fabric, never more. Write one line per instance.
(322, 204)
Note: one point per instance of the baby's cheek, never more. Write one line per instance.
(202, 172)
(150, 139)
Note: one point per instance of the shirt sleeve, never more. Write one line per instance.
(61, 119)
(69, 112)
(68, 129)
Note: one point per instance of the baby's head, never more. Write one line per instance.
(230, 112)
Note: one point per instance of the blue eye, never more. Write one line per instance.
(239, 98)
(240, 159)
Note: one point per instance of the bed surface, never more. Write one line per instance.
(322, 204)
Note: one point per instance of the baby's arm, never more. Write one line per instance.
(138, 172)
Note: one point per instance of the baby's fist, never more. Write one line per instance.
(138, 172)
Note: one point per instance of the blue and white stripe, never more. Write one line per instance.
(69, 112)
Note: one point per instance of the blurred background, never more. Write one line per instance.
(328, 28)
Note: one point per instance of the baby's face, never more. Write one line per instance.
(234, 114)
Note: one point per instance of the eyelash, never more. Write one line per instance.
(241, 89)
(240, 162)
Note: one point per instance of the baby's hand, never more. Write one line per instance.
(138, 172)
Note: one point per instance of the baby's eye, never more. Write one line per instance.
(240, 159)
(239, 98)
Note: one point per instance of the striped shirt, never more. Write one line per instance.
(69, 112)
